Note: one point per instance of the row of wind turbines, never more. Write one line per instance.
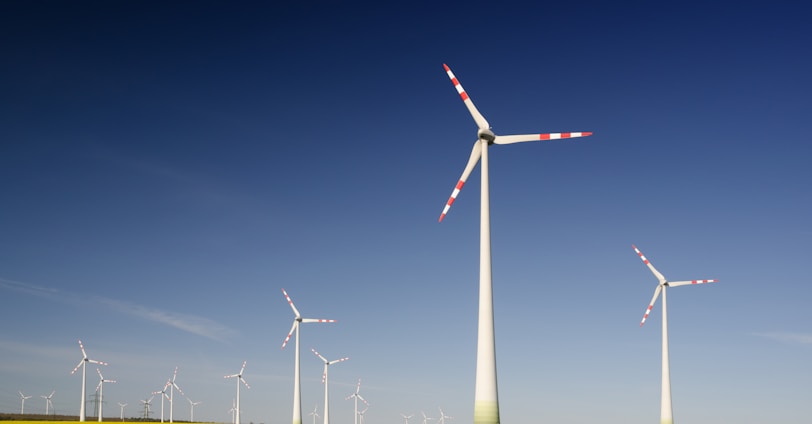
(48, 401)
(486, 403)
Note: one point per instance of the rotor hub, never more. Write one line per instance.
(486, 135)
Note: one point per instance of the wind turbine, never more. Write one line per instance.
(425, 418)
(443, 417)
(666, 412)
(297, 393)
(486, 400)
(314, 414)
(192, 406)
(406, 418)
(233, 410)
(48, 403)
(22, 403)
(83, 364)
(361, 414)
(239, 378)
(147, 403)
(325, 380)
(122, 405)
(357, 395)
(100, 389)
(163, 395)
(172, 388)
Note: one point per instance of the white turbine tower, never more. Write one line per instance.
(406, 418)
(233, 410)
(83, 364)
(486, 400)
(122, 405)
(297, 393)
(326, 381)
(192, 406)
(361, 414)
(314, 414)
(239, 378)
(48, 403)
(172, 387)
(163, 395)
(357, 395)
(666, 412)
(22, 403)
(100, 389)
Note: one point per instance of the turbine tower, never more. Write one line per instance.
(486, 400)
(100, 389)
(297, 392)
(83, 364)
(666, 411)
(163, 395)
(22, 402)
(172, 388)
(147, 409)
(192, 406)
(48, 404)
(325, 380)
(239, 378)
(122, 405)
(357, 395)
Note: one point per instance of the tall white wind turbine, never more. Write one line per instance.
(406, 418)
(22, 402)
(239, 378)
(147, 403)
(425, 418)
(443, 417)
(192, 406)
(100, 389)
(172, 387)
(297, 392)
(122, 405)
(361, 414)
(48, 401)
(163, 395)
(486, 400)
(357, 396)
(666, 412)
(83, 364)
(326, 381)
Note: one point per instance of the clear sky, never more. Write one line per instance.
(166, 168)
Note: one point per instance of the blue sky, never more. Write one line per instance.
(167, 169)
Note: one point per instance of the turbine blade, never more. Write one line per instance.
(337, 361)
(290, 302)
(480, 120)
(651, 304)
(290, 333)
(650, 266)
(510, 139)
(243, 368)
(306, 320)
(685, 283)
(84, 354)
(319, 355)
(77, 366)
(244, 382)
(476, 153)
(93, 361)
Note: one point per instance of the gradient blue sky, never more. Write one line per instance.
(167, 168)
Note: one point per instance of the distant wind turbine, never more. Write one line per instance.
(239, 378)
(48, 404)
(406, 418)
(22, 403)
(147, 409)
(83, 364)
(666, 411)
(314, 414)
(425, 418)
(233, 410)
(192, 406)
(100, 389)
(361, 414)
(443, 417)
(357, 396)
(486, 400)
(325, 380)
(122, 405)
(297, 392)
(163, 395)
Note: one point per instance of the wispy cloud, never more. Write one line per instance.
(194, 324)
(787, 337)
